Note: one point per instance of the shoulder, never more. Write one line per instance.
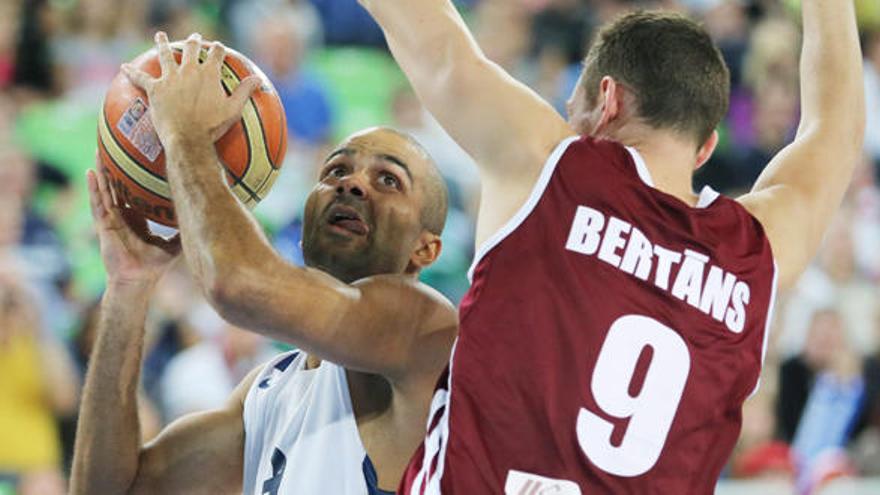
(409, 289)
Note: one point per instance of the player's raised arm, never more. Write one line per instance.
(505, 126)
(390, 325)
(796, 196)
(200, 453)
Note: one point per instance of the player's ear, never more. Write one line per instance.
(610, 102)
(427, 251)
(705, 151)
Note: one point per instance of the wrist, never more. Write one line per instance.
(187, 141)
(138, 285)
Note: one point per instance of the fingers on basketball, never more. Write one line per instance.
(243, 92)
(191, 48)
(107, 201)
(137, 77)
(216, 54)
(95, 203)
(166, 57)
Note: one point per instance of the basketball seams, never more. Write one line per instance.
(266, 181)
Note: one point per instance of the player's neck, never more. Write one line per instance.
(670, 161)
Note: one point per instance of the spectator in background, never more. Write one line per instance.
(279, 49)
(758, 453)
(44, 261)
(203, 376)
(345, 22)
(834, 280)
(864, 201)
(763, 109)
(96, 36)
(38, 381)
(560, 34)
(835, 409)
(502, 29)
(826, 393)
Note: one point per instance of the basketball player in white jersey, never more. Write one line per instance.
(342, 415)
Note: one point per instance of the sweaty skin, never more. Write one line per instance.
(368, 312)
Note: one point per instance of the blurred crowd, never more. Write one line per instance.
(816, 415)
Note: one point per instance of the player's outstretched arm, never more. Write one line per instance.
(200, 454)
(797, 195)
(505, 126)
(390, 325)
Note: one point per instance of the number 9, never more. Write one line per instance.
(651, 412)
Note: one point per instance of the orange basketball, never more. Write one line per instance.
(129, 149)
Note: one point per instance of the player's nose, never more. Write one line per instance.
(352, 184)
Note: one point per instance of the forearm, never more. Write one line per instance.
(832, 92)
(108, 438)
(218, 233)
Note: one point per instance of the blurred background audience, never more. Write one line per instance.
(815, 417)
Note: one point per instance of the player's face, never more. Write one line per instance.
(364, 216)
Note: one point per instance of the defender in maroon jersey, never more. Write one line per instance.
(616, 320)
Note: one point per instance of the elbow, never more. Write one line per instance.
(226, 292)
(224, 296)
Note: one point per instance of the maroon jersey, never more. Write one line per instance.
(607, 343)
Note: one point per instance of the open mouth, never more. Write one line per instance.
(348, 219)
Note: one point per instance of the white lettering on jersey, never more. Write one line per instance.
(665, 260)
(637, 258)
(689, 282)
(584, 236)
(613, 240)
(736, 316)
(622, 245)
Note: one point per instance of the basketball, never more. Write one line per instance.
(130, 152)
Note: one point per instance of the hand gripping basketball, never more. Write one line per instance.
(130, 254)
(187, 101)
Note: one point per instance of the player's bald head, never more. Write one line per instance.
(435, 195)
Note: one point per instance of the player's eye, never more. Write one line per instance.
(389, 180)
(336, 171)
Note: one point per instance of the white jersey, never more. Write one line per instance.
(301, 436)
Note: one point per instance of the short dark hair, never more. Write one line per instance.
(677, 74)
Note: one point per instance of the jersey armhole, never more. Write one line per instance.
(524, 211)
(767, 326)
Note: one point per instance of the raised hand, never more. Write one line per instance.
(131, 255)
(188, 101)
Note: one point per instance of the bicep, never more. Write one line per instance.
(201, 453)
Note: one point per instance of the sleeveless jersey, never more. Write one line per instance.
(608, 340)
(300, 433)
